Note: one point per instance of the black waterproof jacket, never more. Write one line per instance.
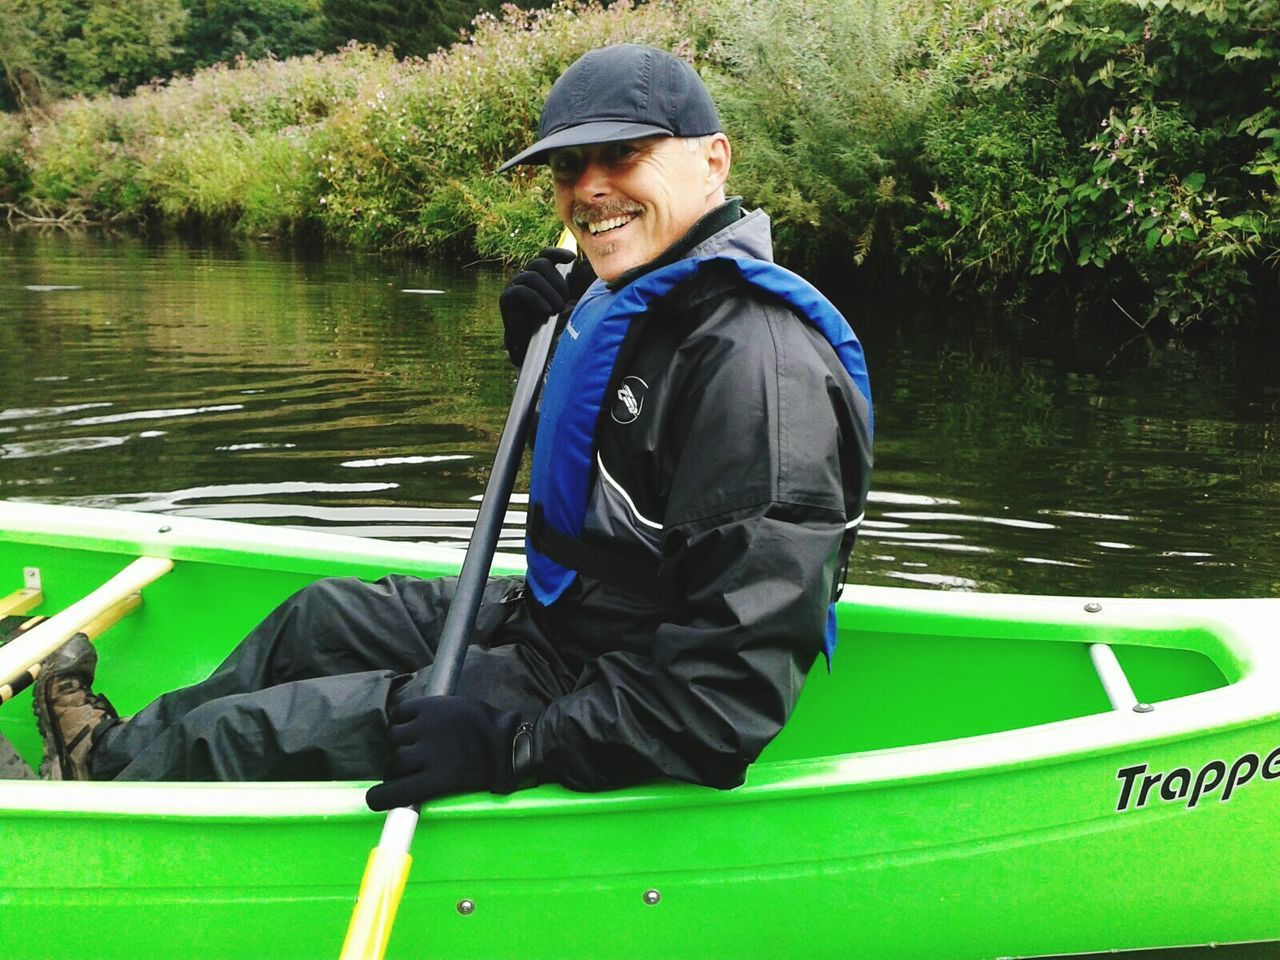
(737, 456)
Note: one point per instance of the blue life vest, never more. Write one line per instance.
(564, 454)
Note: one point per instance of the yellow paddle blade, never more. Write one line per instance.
(380, 891)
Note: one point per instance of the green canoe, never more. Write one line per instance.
(980, 776)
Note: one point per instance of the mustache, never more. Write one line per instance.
(587, 213)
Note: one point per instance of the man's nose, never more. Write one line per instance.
(593, 181)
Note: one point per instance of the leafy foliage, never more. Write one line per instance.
(409, 27)
(85, 46)
(21, 76)
(14, 174)
(1158, 159)
(219, 31)
(824, 100)
(410, 161)
(1126, 148)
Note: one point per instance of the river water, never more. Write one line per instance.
(363, 394)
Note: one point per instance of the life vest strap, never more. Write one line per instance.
(631, 571)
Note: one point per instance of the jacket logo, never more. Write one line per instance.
(630, 400)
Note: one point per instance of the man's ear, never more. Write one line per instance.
(719, 157)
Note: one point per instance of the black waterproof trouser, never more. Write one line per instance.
(306, 695)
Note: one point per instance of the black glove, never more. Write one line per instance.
(535, 293)
(446, 745)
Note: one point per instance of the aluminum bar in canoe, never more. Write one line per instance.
(1114, 680)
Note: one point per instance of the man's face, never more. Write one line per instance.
(629, 201)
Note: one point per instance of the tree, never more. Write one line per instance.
(85, 46)
(124, 43)
(410, 27)
(219, 31)
(21, 80)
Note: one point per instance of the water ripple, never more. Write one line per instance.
(42, 413)
(154, 414)
(24, 450)
(972, 518)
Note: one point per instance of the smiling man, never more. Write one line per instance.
(704, 444)
(628, 202)
(701, 464)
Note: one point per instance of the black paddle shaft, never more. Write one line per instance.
(461, 618)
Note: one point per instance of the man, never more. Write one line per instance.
(700, 469)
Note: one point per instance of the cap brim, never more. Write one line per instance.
(598, 131)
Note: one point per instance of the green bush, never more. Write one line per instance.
(232, 145)
(83, 161)
(412, 28)
(88, 46)
(1152, 126)
(995, 171)
(410, 161)
(220, 31)
(1126, 147)
(825, 102)
(15, 175)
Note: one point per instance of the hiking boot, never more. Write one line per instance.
(12, 766)
(68, 711)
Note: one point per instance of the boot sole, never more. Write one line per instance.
(12, 765)
(51, 765)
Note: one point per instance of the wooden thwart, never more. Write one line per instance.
(95, 612)
(90, 631)
(20, 602)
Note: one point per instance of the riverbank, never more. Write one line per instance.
(1116, 149)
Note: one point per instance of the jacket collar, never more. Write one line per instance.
(724, 230)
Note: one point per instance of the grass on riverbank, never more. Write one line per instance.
(367, 149)
(1115, 143)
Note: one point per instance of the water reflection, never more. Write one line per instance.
(364, 395)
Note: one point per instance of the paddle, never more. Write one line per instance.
(388, 867)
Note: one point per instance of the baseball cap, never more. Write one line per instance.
(621, 92)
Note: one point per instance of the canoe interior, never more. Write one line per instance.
(880, 825)
(896, 680)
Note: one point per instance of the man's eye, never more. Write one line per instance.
(621, 151)
(563, 168)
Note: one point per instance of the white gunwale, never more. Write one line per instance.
(1245, 631)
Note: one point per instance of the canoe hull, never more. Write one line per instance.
(877, 874)
(1006, 843)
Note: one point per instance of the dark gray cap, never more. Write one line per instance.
(621, 92)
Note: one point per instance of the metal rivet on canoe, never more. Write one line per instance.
(651, 897)
(1142, 708)
(466, 907)
(1092, 607)
(165, 529)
